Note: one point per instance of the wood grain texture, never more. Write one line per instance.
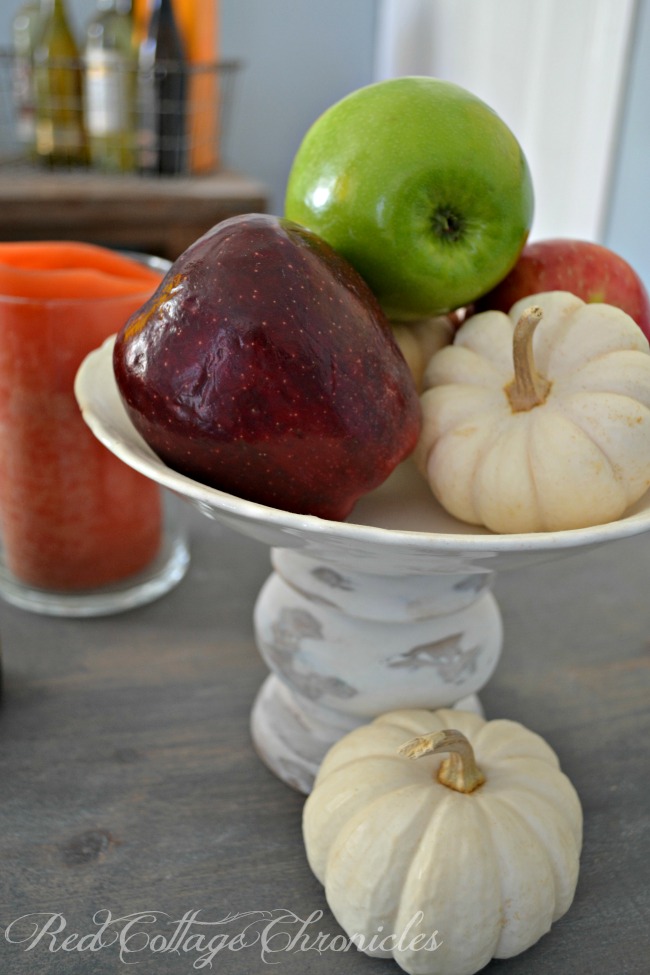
(129, 782)
(156, 215)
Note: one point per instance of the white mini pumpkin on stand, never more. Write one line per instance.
(539, 420)
(419, 340)
(444, 864)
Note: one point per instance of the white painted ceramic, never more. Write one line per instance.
(391, 608)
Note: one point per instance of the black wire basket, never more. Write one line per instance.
(167, 120)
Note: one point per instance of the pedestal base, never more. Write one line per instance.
(292, 742)
(347, 646)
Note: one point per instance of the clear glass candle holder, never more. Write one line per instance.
(82, 533)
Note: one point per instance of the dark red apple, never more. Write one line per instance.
(264, 366)
(588, 270)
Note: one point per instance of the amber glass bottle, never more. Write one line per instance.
(58, 85)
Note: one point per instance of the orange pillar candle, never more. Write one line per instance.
(140, 11)
(198, 21)
(72, 516)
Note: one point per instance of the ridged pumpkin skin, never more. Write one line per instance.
(580, 458)
(490, 870)
(418, 341)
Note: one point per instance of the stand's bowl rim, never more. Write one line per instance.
(103, 411)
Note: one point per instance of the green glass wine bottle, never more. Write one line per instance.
(58, 83)
(110, 58)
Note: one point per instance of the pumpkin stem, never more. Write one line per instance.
(459, 771)
(528, 389)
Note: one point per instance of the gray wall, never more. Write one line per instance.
(628, 227)
(300, 57)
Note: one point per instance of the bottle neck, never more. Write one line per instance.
(54, 10)
(54, 17)
(163, 8)
(163, 24)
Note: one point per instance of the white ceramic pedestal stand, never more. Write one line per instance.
(344, 646)
(392, 609)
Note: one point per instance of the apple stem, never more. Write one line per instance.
(528, 389)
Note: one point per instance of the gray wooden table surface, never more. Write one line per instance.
(130, 794)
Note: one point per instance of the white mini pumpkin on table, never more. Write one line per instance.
(539, 420)
(443, 864)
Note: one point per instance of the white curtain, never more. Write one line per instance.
(555, 70)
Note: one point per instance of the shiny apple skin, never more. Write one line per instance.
(264, 366)
(588, 270)
(380, 171)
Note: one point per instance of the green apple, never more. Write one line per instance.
(421, 186)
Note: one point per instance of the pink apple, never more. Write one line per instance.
(590, 271)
